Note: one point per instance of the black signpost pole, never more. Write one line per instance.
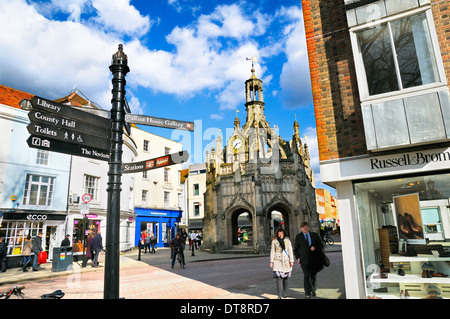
(119, 69)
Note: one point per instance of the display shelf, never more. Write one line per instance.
(394, 278)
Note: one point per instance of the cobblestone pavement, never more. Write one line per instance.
(206, 276)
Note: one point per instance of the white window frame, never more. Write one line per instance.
(87, 188)
(27, 190)
(363, 87)
(42, 157)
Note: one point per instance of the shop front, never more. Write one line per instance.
(158, 222)
(16, 226)
(395, 223)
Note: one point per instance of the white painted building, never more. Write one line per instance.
(196, 187)
(158, 192)
(90, 176)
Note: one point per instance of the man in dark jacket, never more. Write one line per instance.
(177, 245)
(66, 241)
(36, 249)
(97, 246)
(308, 251)
(3, 252)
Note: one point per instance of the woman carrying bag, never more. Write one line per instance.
(281, 261)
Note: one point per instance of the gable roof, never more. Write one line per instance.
(12, 97)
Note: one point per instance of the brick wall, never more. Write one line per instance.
(339, 124)
(441, 16)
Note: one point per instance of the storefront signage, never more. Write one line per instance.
(418, 158)
(36, 217)
(33, 216)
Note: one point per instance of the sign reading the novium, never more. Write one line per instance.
(413, 159)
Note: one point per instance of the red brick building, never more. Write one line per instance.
(379, 72)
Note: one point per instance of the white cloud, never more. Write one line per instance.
(295, 79)
(40, 54)
(120, 16)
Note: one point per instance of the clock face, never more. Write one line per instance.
(237, 143)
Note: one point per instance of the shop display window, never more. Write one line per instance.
(90, 225)
(405, 226)
(15, 233)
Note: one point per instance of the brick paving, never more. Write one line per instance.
(207, 276)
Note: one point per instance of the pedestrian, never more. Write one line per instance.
(3, 251)
(26, 253)
(97, 246)
(193, 242)
(88, 254)
(66, 241)
(153, 243)
(308, 251)
(281, 261)
(36, 249)
(146, 238)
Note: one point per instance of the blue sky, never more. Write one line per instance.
(187, 58)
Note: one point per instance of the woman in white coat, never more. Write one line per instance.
(281, 260)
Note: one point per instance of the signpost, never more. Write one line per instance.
(64, 129)
(159, 122)
(52, 145)
(158, 162)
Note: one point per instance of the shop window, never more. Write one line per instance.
(88, 225)
(15, 233)
(38, 190)
(397, 55)
(398, 219)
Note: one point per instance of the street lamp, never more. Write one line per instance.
(119, 69)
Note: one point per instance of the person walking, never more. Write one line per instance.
(36, 248)
(88, 253)
(97, 246)
(308, 251)
(26, 253)
(281, 261)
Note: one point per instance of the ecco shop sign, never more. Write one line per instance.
(36, 217)
(415, 159)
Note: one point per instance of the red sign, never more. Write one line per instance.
(162, 161)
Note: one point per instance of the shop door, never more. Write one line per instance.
(50, 240)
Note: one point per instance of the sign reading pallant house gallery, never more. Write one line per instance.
(410, 159)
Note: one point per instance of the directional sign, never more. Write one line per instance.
(66, 148)
(158, 162)
(159, 122)
(37, 116)
(50, 131)
(69, 112)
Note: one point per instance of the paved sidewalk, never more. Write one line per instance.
(128, 260)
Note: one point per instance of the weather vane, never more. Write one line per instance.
(253, 59)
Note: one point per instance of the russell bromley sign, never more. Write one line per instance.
(412, 159)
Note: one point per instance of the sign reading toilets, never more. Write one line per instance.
(409, 219)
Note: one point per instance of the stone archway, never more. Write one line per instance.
(279, 213)
(241, 227)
